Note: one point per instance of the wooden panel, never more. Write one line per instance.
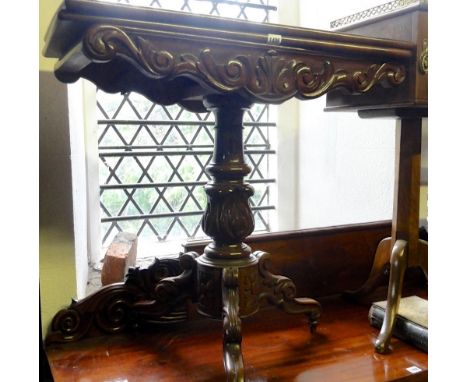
(176, 57)
(420, 29)
(276, 346)
(410, 26)
(322, 261)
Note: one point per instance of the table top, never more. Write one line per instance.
(175, 57)
(276, 347)
(75, 15)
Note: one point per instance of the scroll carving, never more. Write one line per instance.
(233, 362)
(424, 59)
(277, 288)
(120, 306)
(280, 291)
(270, 77)
(169, 292)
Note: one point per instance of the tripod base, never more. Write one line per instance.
(224, 289)
(396, 261)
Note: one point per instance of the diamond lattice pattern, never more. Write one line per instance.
(153, 157)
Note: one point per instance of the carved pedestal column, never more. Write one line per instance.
(231, 280)
(227, 281)
(227, 271)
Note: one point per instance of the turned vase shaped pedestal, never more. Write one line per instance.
(231, 280)
(226, 282)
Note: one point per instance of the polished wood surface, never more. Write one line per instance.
(339, 258)
(409, 106)
(84, 13)
(175, 57)
(206, 63)
(275, 349)
(407, 24)
(321, 261)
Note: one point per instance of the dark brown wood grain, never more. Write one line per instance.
(174, 57)
(407, 24)
(275, 349)
(84, 13)
(409, 105)
(407, 185)
(320, 261)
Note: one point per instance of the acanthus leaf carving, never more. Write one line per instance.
(271, 76)
(228, 217)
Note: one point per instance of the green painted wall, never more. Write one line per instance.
(56, 272)
(47, 9)
(56, 238)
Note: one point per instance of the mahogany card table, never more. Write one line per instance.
(209, 63)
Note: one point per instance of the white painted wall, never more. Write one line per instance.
(287, 135)
(78, 172)
(333, 168)
(85, 176)
(90, 128)
(346, 163)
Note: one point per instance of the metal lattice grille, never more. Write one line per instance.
(253, 10)
(153, 157)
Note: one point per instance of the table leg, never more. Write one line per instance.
(405, 224)
(378, 270)
(233, 362)
(231, 280)
(280, 291)
(398, 261)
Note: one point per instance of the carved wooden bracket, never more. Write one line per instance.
(280, 291)
(155, 294)
(260, 74)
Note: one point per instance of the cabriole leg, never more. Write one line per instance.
(398, 265)
(233, 362)
(281, 292)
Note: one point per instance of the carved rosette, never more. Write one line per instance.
(272, 76)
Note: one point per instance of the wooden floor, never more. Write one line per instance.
(276, 347)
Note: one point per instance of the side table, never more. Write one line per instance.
(208, 63)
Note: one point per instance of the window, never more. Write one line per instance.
(153, 158)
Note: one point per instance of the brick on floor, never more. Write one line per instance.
(120, 255)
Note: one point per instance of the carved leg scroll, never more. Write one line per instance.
(155, 294)
(233, 362)
(281, 292)
(170, 291)
(398, 261)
